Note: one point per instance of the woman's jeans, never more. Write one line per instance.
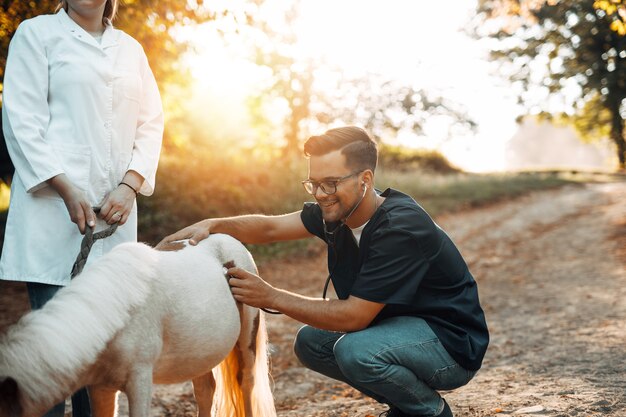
(398, 361)
(39, 294)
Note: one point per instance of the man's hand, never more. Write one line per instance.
(195, 233)
(250, 289)
(76, 202)
(347, 315)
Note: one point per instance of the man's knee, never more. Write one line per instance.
(303, 339)
(305, 342)
(354, 359)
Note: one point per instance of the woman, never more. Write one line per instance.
(83, 122)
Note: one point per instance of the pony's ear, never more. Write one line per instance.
(9, 398)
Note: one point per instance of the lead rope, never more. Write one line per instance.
(88, 241)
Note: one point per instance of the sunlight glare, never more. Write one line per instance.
(419, 43)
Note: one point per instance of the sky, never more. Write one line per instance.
(418, 42)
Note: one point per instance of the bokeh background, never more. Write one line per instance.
(503, 118)
(471, 101)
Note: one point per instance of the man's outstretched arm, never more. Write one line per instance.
(253, 228)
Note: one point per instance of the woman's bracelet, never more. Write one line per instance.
(130, 186)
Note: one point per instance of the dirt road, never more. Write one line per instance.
(551, 268)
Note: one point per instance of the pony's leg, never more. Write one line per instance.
(139, 391)
(203, 390)
(103, 401)
(246, 351)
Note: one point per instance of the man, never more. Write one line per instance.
(408, 321)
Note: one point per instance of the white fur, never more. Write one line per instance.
(138, 316)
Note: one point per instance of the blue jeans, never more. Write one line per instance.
(39, 294)
(398, 361)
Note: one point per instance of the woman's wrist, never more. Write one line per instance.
(127, 185)
(133, 180)
(62, 185)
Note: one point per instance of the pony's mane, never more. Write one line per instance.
(48, 348)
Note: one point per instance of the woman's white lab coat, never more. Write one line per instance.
(75, 106)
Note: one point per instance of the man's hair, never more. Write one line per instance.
(355, 144)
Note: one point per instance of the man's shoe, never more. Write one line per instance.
(446, 410)
(393, 412)
(396, 412)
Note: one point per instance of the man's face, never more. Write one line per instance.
(332, 166)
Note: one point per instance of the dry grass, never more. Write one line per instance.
(197, 186)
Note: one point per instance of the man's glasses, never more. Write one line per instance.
(327, 186)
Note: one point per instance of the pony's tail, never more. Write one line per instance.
(229, 396)
(262, 398)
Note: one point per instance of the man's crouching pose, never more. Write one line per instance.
(408, 321)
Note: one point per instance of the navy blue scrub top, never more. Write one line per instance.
(407, 262)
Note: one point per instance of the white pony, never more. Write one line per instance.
(138, 316)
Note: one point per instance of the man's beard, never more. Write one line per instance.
(345, 214)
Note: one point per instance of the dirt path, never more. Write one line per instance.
(551, 268)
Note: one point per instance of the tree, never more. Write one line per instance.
(275, 47)
(385, 107)
(318, 95)
(581, 47)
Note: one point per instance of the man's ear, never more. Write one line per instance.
(9, 398)
(368, 179)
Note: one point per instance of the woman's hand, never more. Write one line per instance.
(116, 206)
(78, 206)
(195, 233)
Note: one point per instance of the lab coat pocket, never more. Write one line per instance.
(129, 85)
(75, 161)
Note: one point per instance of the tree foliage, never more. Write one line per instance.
(292, 74)
(616, 10)
(385, 107)
(319, 94)
(562, 46)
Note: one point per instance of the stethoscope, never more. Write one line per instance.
(330, 239)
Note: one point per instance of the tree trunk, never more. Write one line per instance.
(292, 148)
(621, 150)
(617, 135)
